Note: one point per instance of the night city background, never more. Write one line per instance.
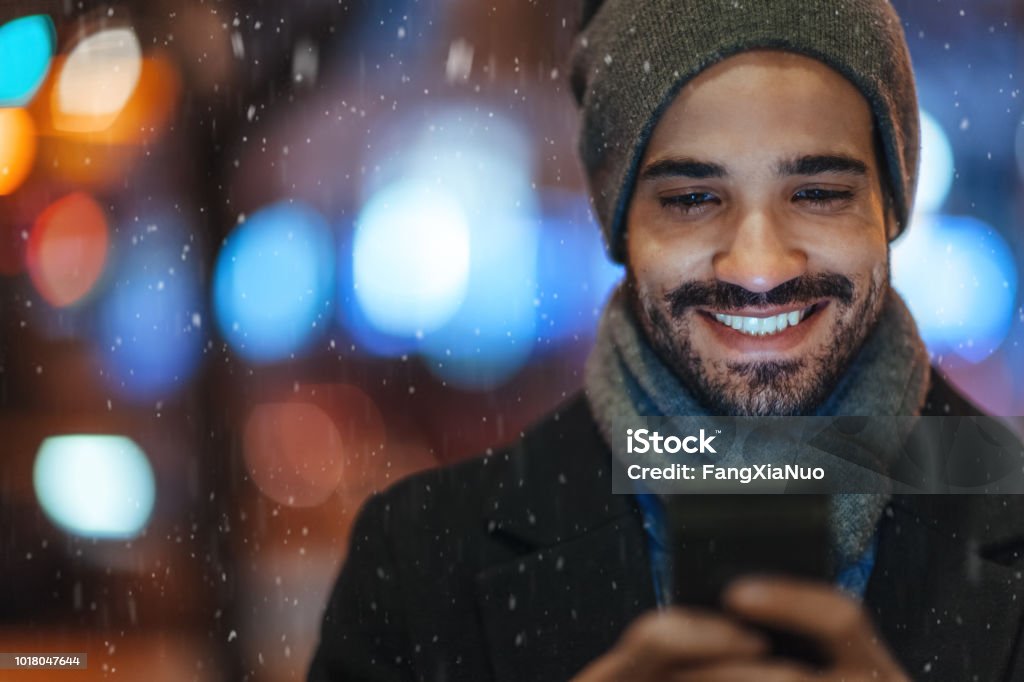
(260, 259)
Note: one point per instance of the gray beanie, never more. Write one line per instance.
(633, 56)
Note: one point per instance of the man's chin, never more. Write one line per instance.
(763, 388)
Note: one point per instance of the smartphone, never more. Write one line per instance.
(717, 538)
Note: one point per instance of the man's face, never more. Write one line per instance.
(757, 246)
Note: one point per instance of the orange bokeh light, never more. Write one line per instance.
(102, 158)
(293, 452)
(67, 249)
(144, 116)
(17, 148)
(303, 449)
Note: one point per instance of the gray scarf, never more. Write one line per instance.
(625, 379)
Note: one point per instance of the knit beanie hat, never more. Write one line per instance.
(632, 57)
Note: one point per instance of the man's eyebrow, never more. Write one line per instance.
(822, 163)
(682, 167)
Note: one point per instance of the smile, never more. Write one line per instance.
(764, 326)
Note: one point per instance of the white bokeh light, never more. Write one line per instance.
(99, 77)
(935, 177)
(411, 258)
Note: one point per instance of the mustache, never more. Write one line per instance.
(726, 296)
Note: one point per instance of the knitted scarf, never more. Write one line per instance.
(625, 379)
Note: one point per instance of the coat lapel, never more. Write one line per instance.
(579, 570)
(947, 590)
(549, 613)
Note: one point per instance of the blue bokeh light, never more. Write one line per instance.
(362, 336)
(574, 275)
(493, 333)
(95, 486)
(959, 279)
(26, 50)
(480, 327)
(151, 317)
(485, 160)
(273, 282)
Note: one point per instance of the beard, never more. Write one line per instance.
(762, 387)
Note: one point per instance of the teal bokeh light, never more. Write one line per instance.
(26, 50)
(95, 486)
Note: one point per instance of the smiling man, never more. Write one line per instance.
(750, 163)
(758, 235)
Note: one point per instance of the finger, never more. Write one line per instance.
(660, 640)
(768, 671)
(816, 610)
(672, 637)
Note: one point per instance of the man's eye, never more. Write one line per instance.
(691, 202)
(824, 198)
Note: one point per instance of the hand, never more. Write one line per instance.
(684, 645)
(836, 622)
(663, 643)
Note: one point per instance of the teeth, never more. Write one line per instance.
(763, 326)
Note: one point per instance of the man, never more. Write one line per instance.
(750, 163)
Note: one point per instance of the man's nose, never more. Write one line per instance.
(759, 255)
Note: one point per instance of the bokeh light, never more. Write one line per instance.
(152, 105)
(26, 49)
(103, 159)
(936, 171)
(493, 333)
(96, 80)
(95, 486)
(67, 249)
(481, 161)
(293, 452)
(151, 317)
(574, 274)
(361, 335)
(299, 451)
(486, 161)
(142, 118)
(411, 258)
(17, 148)
(273, 282)
(959, 279)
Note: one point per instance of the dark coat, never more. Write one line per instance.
(523, 566)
